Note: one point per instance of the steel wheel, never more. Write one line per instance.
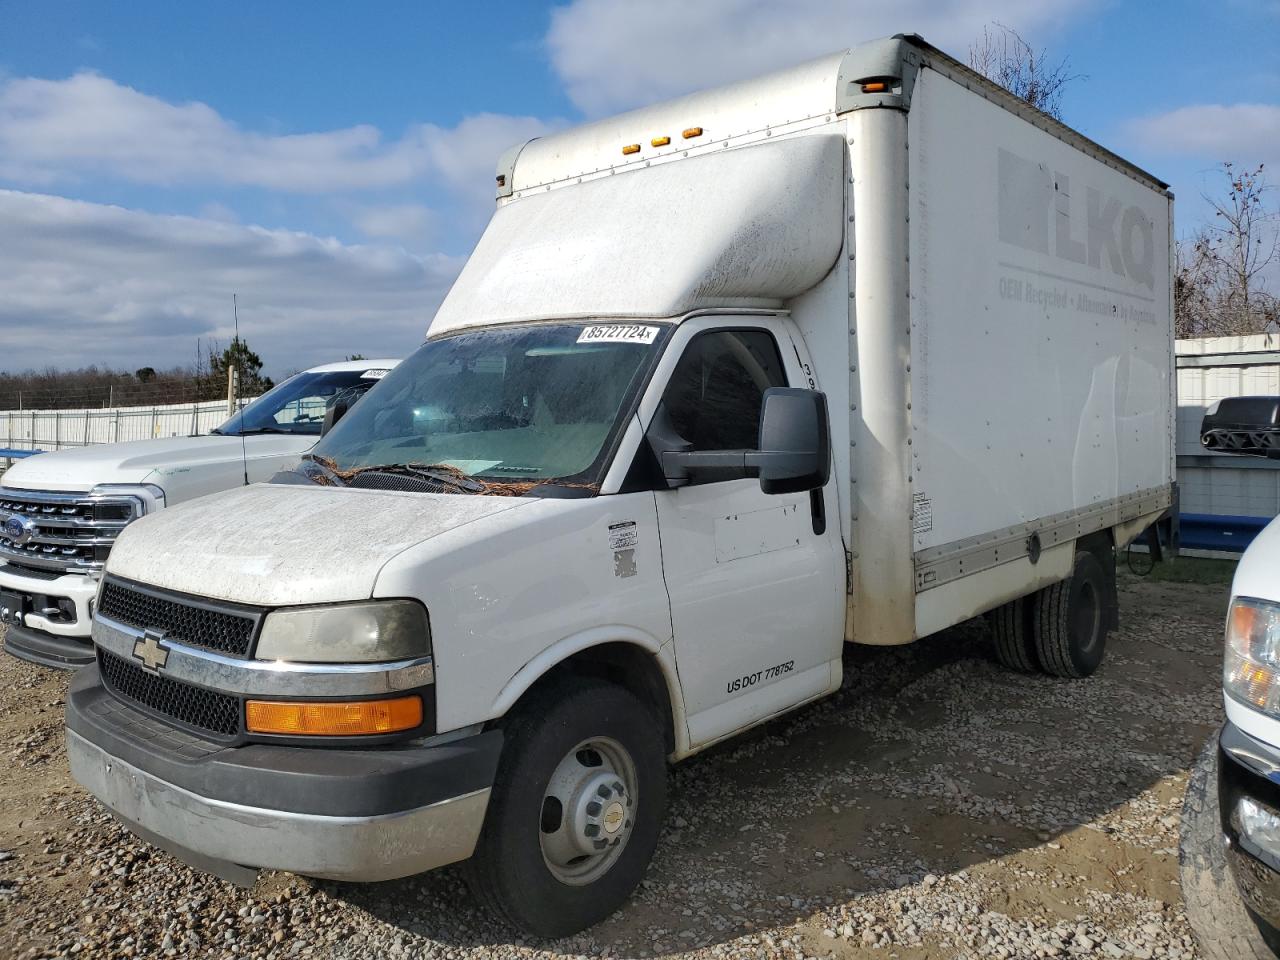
(588, 811)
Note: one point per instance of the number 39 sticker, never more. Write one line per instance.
(618, 333)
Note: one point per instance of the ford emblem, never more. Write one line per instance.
(18, 529)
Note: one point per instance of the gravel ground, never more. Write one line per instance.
(938, 806)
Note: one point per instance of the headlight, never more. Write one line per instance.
(1251, 673)
(148, 496)
(1258, 824)
(371, 632)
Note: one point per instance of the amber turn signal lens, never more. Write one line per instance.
(878, 87)
(333, 718)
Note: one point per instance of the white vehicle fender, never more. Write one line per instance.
(563, 649)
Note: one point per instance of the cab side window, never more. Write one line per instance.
(715, 392)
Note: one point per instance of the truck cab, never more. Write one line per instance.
(61, 512)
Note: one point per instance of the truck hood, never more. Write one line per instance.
(277, 545)
(1256, 573)
(141, 461)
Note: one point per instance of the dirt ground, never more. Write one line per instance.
(937, 806)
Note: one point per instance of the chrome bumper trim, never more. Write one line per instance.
(269, 678)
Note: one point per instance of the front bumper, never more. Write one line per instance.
(341, 814)
(46, 649)
(46, 641)
(1247, 767)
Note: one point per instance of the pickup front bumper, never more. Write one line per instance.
(341, 814)
(49, 641)
(1249, 769)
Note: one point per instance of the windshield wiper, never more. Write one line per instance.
(441, 473)
(251, 431)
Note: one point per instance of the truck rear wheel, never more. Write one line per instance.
(1011, 634)
(575, 810)
(1224, 927)
(1070, 620)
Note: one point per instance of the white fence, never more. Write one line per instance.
(59, 429)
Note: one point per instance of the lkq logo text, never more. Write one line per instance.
(1044, 211)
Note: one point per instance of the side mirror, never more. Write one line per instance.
(332, 414)
(793, 454)
(1248, 426)
(795, 441)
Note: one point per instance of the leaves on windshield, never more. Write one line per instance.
(447, 474)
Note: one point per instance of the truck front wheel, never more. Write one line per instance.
(1223, 925)
(575, 811)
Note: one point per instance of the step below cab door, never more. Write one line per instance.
(756, 581)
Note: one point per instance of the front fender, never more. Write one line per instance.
(545, 661)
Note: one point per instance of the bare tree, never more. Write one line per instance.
(1220, 288)
(1002, 55)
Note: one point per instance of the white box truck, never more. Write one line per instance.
(60, 512)
(852, 352)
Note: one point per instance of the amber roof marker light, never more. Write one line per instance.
(691, 132)
(630, 148)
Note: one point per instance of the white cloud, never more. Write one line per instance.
(405, 221)
(87, 125)
(1246, 133)
(614, 54)
(213, 210)
(89, 283)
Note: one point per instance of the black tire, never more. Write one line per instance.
(1011, 634)
(1224, 927)
(508, 871)
(1070, 620)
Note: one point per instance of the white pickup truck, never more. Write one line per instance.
(852, 352)
(61, 512)
(1230, 851)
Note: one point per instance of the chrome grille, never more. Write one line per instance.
(207, 711)
(187, 621)
(72, 532)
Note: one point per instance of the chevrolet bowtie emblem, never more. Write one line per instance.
(150, 651)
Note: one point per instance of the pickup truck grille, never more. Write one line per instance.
(206, 711)
(183, 620)
(61, 532)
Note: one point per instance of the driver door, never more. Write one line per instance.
(756, 589)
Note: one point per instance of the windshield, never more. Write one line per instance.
(515, 405)
(298, 404)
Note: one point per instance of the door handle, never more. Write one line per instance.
(818, 511)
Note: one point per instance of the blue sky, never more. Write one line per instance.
(333, 163)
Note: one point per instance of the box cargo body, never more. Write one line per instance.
(852, 352)
(985, 294)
